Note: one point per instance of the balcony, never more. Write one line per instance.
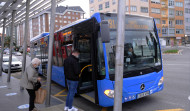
(171, 26)
(172, 16)
(164, 25)
(164, 6)
(164, 16)
(171, 6)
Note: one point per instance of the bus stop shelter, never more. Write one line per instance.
(14, 12)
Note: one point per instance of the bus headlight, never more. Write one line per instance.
(109, 93)
(161, 81)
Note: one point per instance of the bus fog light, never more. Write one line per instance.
(109, 93)
(161, 81)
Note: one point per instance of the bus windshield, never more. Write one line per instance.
(141, 49)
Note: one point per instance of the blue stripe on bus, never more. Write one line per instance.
(97, 16)
(58, 75)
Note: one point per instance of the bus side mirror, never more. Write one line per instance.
(104, 30)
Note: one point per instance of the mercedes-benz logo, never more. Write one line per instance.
(142, 87)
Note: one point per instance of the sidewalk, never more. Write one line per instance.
(14, 99)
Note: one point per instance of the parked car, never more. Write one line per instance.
(16, 65)
(18, 54)
(6, 51)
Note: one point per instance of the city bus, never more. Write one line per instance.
(96, 39)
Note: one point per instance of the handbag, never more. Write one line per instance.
(40, 96)
(37, 85)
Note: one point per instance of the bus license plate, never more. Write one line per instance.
(143, 94)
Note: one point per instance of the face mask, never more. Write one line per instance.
(129, 53)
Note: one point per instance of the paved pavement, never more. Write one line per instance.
(174, 97)
(12, 97)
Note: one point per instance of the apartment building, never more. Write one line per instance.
(169, 17)
(132, 6)
(168, 14)
(41, 23)
(187, 20)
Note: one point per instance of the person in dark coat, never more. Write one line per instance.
(72, 71)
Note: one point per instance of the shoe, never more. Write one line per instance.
(66, 108)
(35, 109)
(73, 109)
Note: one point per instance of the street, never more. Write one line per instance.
(174, 96)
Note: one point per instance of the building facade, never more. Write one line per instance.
(169, 17)
(168, 14)
(132, 6)
(41, 23)
(187, 20)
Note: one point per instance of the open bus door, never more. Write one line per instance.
(87, 83)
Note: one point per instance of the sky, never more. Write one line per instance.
(84, 4)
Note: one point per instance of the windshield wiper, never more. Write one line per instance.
(152, 67)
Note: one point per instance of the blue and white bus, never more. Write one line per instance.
(143, 71)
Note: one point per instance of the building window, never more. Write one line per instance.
(60, 21)
(157, 20)
(171, 12)
(91, 9)
(65, 17)
(69, 17)
(114, 10)
(69, 12)
(69, 21)
(171, 31)
(65, 21)
(144, 9)
(179, 22)
(159, 31)
(179, 13)
(144, 0)
(187, 20)
(133, 8)
(73, 17)
(77, 18)
(171, 23)
(126, 8)
(171, 2)
(77, 13)
(163, 22)
(179, 4)
(100, 7)
(163, 12)
(73, 13)
(187, 28)
(155, 10)
(91, 1)
(187, 10)
(56, 25)
(179, 31)
(56, 16)
(60, 16)
(56, 21)
(107, 5)
(164, 31)
(99, 0)
(155, 1)
(113, 2)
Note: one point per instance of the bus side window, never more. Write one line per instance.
(55, 52)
